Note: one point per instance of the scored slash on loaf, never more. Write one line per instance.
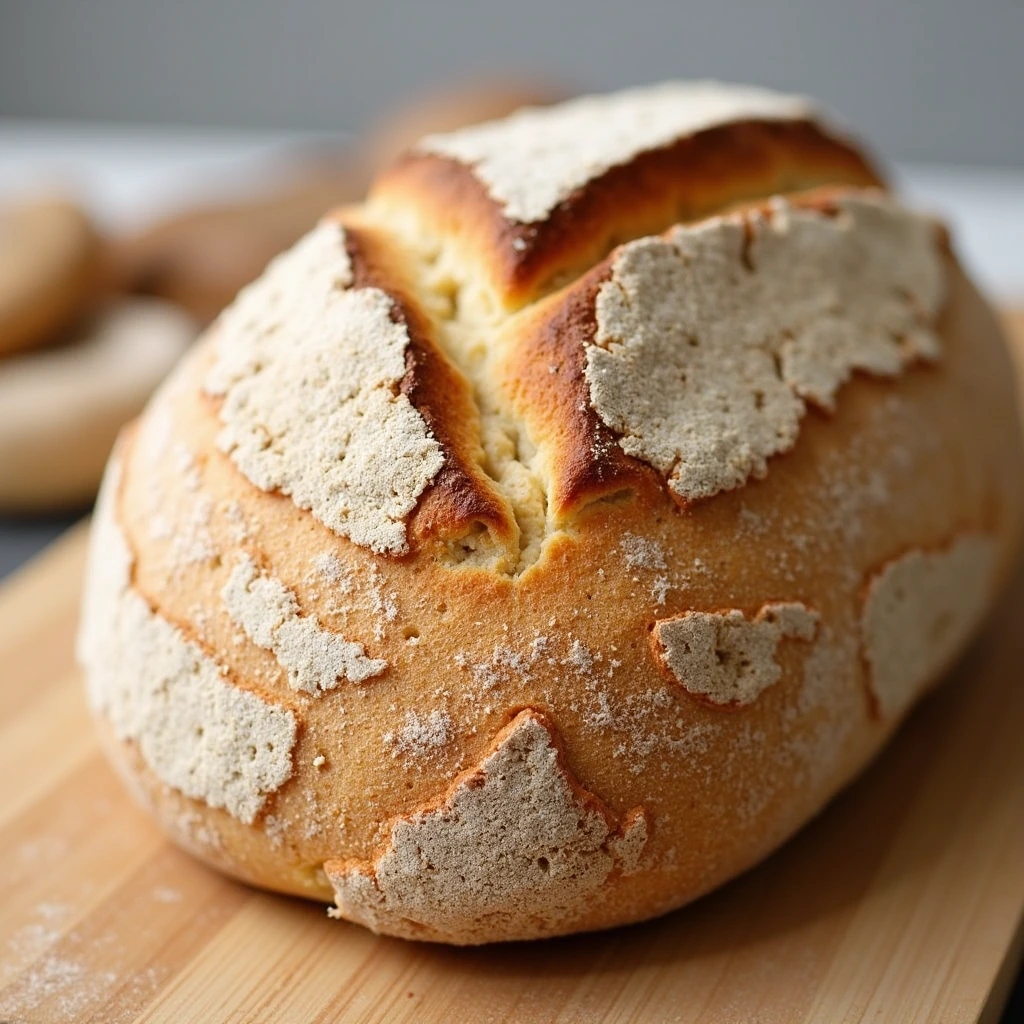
(537, 545)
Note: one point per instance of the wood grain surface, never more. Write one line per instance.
(903, 902)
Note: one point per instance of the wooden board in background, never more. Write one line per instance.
(903, 902)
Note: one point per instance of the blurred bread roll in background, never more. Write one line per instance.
(61, 408)
(201, 257)
(49, 265)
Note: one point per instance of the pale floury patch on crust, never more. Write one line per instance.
(421, 735)
(726, 657)
(309, 370)
(268, 613)
(709, 345)
(196, 732)
(920, 610)
(536, 158)
(516, 849)
(109, 571)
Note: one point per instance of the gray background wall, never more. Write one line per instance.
(924, 79)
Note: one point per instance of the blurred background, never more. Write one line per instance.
(935, 80)
(154, 156)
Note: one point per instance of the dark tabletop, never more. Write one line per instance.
(20, 539)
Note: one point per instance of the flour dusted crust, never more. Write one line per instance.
(725, 656)
(315, 658)
(516, 841)
(433, 590)
(711, 341)
(535, 199)
(307, 368)
(537, 157)
(195, 731)
(920, 609)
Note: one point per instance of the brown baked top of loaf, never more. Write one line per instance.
(542, 195)
(476, 404)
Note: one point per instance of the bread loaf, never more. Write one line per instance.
(62, 407)
(49, 267)
(539, 544)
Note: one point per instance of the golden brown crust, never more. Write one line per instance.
(544, 376)
(474, 777)
(750, 551)
(460, 496)
(681, 182)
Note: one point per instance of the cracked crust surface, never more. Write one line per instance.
(535, 159)
(515, 584)
(726, 657)
(308, 371)
(516, 847)
(600, 170)
(195, 730)
(710, 341)
(919, 610)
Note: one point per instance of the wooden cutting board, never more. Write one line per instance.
(903, 902)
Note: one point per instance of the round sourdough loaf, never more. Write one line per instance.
(540, 543)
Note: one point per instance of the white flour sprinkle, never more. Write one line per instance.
(421, 736)
(642, 552)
